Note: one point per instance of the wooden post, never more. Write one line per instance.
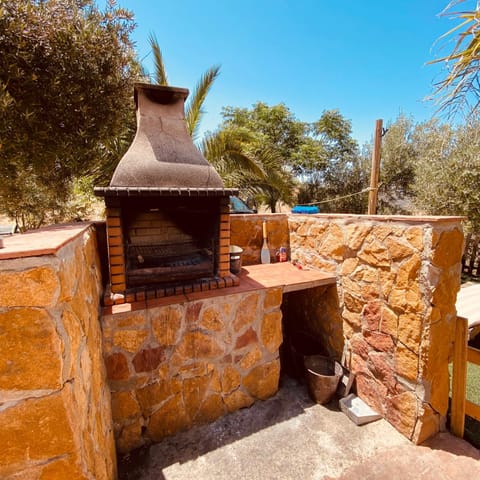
(377, 147)
(459, 377)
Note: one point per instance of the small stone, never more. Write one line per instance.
(359, 346)
(230, 379)
(382, 370)
(212, 320)
(30, 350)
(250, 358)
(353, 303)
(237, 400)
(192, 314)
(356, 235)
(249, 337)
(401, 412)
(124, 406)
(428, 424)
(38, 429)
(389, 322)
(375, 253)
(271, 331)
(129, 340)
(170, 418)
(166, 324)
(410, 330)
(148, 359)
(198, 345)
(348, 266)
(414, 236)
(36, 287)
(117, 367)
(448, 249)
(156, 393)
(273, 298)
(129, 319)
(372, 391)
(406, 363)
(130, 437)
(408, 271)
(262, 381)
(398, 249)
(246, 311)
(372, 316)
(379, 341)
(211, 409)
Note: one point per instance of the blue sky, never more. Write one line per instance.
(365, 58)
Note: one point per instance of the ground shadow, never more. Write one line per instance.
(291, 400)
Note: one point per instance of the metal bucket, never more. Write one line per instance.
(323, 375)
(235, 259)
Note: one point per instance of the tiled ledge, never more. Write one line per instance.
(44, 241)
(254, 277)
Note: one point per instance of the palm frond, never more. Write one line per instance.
(224, 150)
(459, 89)
(160, 70)
(194, 110)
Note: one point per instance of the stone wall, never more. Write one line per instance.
(55, 415)
(393, 311)
(173, 366)
(246, 231)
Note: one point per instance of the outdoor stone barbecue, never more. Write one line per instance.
(167, 209)
(73, 382)
(171, 339)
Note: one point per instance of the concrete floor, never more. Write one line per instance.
(290, 437)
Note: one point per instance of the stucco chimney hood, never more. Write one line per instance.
(162, 160)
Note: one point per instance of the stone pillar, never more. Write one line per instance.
(397, 283)
(55, 419)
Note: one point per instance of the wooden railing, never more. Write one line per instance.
(462, 355)
(471, 255)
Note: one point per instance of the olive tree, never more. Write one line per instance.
(66, 72)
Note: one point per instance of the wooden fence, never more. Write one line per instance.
(471, 255)
(462, 355)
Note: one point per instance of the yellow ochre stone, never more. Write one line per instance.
(246, 311)
(170, 418)
(212, 319)
(129, 340)
(198, 345)
(271, 331)
(449, 249)
(230, 379)
(273, 298)
(21, 438)
(124, 406)
(36, 287)
(262, 381)
(236, 400)
(166, 324)
(30, 352)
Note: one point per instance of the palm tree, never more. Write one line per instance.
(193, 108)
(460, 89)
(223, 149)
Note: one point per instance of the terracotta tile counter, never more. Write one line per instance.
(286, 275)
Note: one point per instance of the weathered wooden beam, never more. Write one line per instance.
(459, 377)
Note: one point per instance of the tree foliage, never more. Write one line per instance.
(336, 175)
(65, 98)
(459, 89)
(447, 172)
(271, 137)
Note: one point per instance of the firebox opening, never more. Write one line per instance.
(170, 240)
